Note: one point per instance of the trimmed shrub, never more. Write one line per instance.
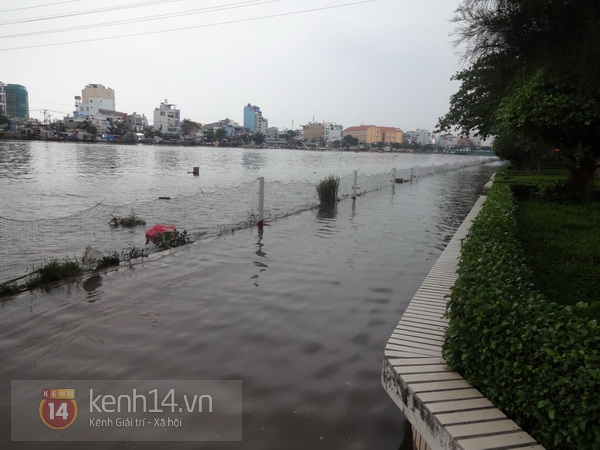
(536, 360)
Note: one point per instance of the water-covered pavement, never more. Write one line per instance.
(300, 313)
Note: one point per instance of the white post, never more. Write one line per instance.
(354, 184)
(417, 169)
(394, 175)
(412, 173)
(261, 202)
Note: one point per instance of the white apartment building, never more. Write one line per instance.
(97, 104)
(94, 97)
(167, 119)
(332, 132)
(422, 137)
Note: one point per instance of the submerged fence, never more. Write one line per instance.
(28, 245)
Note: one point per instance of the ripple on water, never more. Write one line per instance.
(307, 342)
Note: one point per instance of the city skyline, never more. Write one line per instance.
(374, 62)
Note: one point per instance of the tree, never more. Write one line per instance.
(534, 75)
(349, 141)
(483, 86)
(117, 127)
(258, 138)
(150, 132)
(58, 125)
(209, 135)
(4, 121)
(88, 126)
(220, 134)
(188, 127)
(542, 108)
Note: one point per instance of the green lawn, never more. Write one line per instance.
(562, 247)
(561, 240)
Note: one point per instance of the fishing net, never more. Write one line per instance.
(88, 236)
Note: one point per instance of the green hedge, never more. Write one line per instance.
(534, 359)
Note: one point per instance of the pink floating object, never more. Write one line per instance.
(153, 232)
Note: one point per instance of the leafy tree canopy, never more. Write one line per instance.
(188, 127)
(534, 76)
(349, 141)
(258, 138)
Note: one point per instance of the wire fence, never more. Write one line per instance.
(28, 245)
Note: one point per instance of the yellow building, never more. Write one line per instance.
(372, 134)
(314, 132)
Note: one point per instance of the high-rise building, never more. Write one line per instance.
(254, 120)
(17, 101)
(2, 99)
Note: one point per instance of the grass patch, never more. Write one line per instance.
(54, 271)
(129, 221)
(327, 190)
(562, 247)
(8, 289)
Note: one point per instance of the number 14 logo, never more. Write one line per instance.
(58, 413)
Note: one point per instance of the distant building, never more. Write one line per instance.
(371, 134)
(446, 140)
(94, 97)
(16, 101)
(96, 104)
(422, 137)
(389, 135)
(2, 99)
(136, 122)
(167, 119)
(364, 133)
(332, 132)
(231, 127)
(314, 132)
(254, 121)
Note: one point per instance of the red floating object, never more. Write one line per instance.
(153, 232)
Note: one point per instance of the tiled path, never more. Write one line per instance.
(445, 411)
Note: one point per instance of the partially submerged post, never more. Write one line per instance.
(354, 184)
(261, 202)
(196, 171)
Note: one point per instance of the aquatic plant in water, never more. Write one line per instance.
(327, 190)
(129, 221)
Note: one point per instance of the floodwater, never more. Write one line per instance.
(300, 313)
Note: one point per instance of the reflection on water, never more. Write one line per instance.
(253, 160)
(300, 312)
(91, 285)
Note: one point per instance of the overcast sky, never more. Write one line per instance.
(381, 62)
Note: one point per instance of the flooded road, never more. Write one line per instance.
(300, 313)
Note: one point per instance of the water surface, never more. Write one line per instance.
(301, 313)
